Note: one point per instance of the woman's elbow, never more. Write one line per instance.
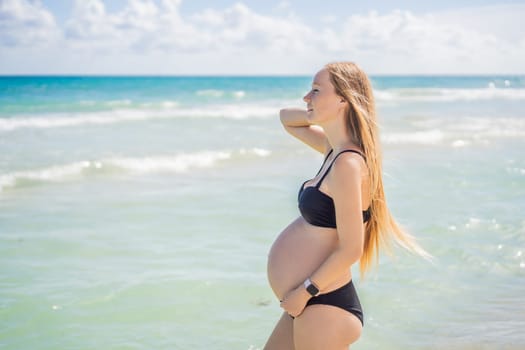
(351, 255)
(283, 116)
(355, 256)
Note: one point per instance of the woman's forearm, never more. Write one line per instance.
(294, 117)
(339, 262)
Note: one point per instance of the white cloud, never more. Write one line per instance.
(143, 25)
(90, 22)
(240, 27)
(153, 31)
(403, 42)
(91, 27)
(24, 23)
(401, 32)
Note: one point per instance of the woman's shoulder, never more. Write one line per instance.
(347, 162)
(347, 166)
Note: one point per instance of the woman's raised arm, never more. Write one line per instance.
(295, 122)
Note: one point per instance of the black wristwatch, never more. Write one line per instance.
(311, 288)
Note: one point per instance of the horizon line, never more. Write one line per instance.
(235, 75)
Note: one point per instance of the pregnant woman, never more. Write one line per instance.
(344, 217)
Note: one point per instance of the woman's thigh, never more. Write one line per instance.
(325, 327)
(282, 335)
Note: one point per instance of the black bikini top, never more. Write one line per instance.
(316, 207)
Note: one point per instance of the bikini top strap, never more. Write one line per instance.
(332, 163)
(324, 161)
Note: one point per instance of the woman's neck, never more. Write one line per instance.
(337, 135)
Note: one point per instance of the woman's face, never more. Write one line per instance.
(322, 102)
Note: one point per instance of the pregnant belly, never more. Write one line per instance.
(297, 253)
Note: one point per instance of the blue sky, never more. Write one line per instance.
(306, 9)
(260, 37)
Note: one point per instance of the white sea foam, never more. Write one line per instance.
(239, 94)
(69, 120)
(448, 95)
(158, 105)
(229, 111)
(178, 163)
(463, 132)
(169, 104)
(54, 173)
(515, 171)
(429, 137)
(169, 110)
(210, 93)
(220, 93)
(459, 143)
(119, 103)
(484, 128)
(255, 151)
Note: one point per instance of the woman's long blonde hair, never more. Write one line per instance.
(352, 84)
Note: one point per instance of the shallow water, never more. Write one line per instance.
(137, 213)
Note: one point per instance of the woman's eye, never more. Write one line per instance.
(315, 90)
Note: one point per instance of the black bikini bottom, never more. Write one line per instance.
(344, 297)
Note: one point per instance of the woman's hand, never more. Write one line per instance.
(295, 301)
(296, 123)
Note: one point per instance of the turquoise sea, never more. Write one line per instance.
(137, 212)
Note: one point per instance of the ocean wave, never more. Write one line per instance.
(463, 132)
(228, 111)
(448, 95)
(157, 164)
(210, 93)
(119, 103)
(54, 173)
(178, 163)
(69, 120)
(482, 130)
(220, 93)
(113, 104)
(425, 137)
(169, 110)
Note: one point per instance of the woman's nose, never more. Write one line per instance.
(306, 97)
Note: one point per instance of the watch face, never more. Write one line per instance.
(312, 290)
